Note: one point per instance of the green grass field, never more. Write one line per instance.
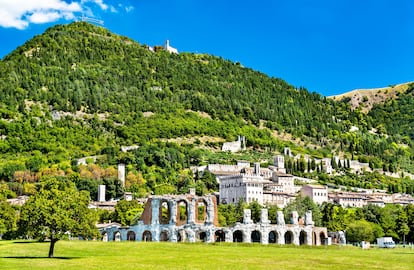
(141, 255)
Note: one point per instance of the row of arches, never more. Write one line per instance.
(220, 236)
(181, 215)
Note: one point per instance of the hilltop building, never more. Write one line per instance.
(168, 48)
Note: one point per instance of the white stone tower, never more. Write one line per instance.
(121, 173)
(279, 162)
(101, 193)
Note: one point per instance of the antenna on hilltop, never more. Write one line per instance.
(92, 20)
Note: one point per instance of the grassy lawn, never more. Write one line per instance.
(141, 255)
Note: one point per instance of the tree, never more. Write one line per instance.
(402, 223)
(57, 210)
(360, 230)
(7, 217)
(126, 211)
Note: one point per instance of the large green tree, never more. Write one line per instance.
(57, 210)
(7, 217)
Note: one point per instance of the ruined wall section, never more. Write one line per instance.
(147, 214)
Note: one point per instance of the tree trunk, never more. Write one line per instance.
(52, 247)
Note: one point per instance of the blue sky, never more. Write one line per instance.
(326, 46)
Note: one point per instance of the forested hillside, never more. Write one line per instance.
(79, 90)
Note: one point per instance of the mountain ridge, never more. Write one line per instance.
(82, 72)
(367, 98)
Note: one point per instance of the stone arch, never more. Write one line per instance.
(323, 238)
(201, 211)
(202, 236)
(181, 236)
(255, 236)
(164, 236)
(238, 236)
(147, 236)
(182, 212)
(117, 236)
(220, 236)
(273, 237)
(104, 237)
(164, 212)
(131, 236)
(288, 237)
(303, 238)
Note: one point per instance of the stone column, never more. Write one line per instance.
(173, 212)
(280, 218)
(294, 218)
(210, 211)
(308, 218)
(247, 216)
(264, 239)
(173, 236)
(155, 205)
(229, 235)
(296, 235)
(191, 211)
(264, 216)
(281, 236)
(309, 237)
(190, 235)
(247, 236)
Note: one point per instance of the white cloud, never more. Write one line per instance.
(20, 13)
(44, 17)
(113, 9)
(129, 8)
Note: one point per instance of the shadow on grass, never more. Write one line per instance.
(29, 257)
(26, 242)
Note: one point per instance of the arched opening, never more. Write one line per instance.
(202, 236)
(272, 237)
(182, 213)
(220, 236)
(131, 236)
(181, 236)
(238, 236)
(314, 239)
(164, 236)
(288, 237)
(255, 237)
(201, 214)
(164, 212)
(323, 238)
(117, 236)
(147, 236)
(105, 237)
(303, 238)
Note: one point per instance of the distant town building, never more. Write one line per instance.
(318, 193)
(235, 146)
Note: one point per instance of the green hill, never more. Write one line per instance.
(80, 90)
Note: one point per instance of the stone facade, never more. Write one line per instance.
(189, 218)
(265, 185)
(318, 193)
(235, 146)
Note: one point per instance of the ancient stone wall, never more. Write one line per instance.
(190, 218)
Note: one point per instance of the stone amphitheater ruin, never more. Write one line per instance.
(190, 218)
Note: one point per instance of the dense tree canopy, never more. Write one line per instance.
(56, 211)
